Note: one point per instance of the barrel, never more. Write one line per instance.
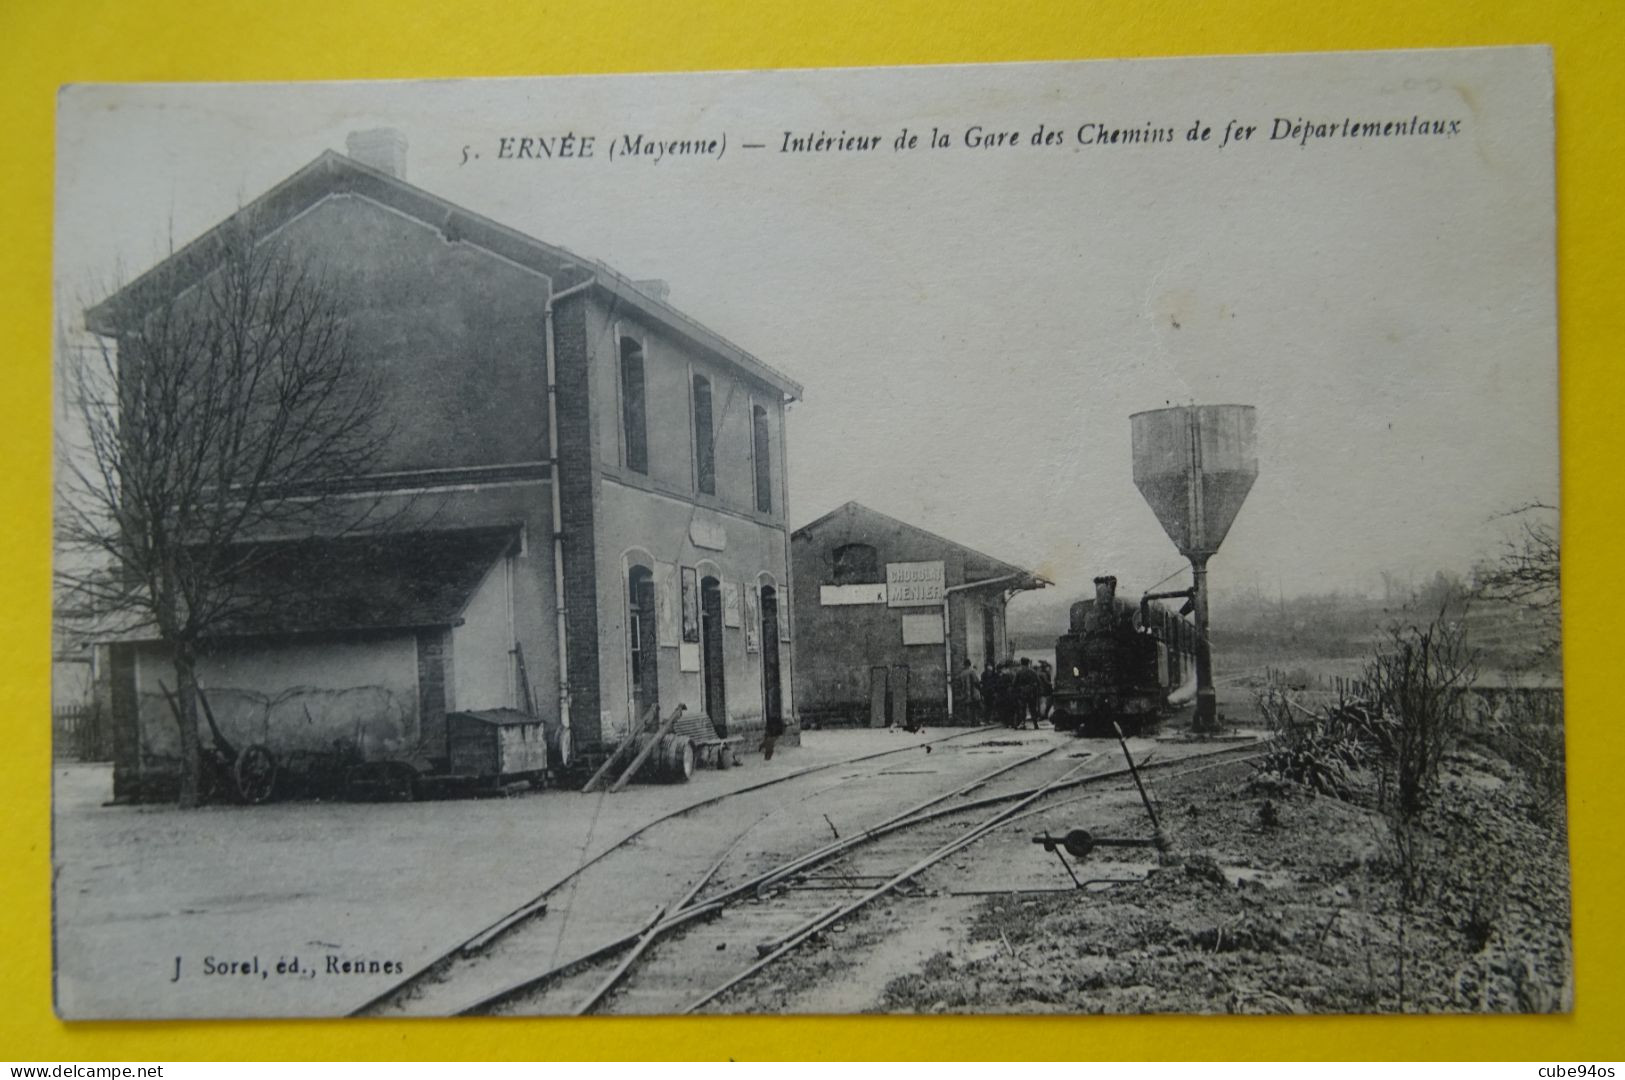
(671, 762)
(560, 750)
(677, 759)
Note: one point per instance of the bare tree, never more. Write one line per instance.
(1529, 572)
(220, 407)
(1421, 677)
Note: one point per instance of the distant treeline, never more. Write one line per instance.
(1249, 625)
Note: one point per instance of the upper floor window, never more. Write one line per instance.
(856, 564)
(705, 447)
(634, 411)
(761, 454)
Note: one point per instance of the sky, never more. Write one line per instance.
(974, 325)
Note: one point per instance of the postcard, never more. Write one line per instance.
(1057, 537)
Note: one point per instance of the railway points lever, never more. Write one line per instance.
(1080, 842)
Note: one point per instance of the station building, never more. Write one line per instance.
(885, 611)
(585, 497)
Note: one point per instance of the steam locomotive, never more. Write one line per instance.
(1121, 661)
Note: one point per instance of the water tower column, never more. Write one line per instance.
(1195, 464)
(1207, 701)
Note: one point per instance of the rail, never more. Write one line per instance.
(689, 909)
(537, 905)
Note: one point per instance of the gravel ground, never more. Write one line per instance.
(393, 884)
(1273, 899)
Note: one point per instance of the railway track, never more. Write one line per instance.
(751, 906)
(402, 993)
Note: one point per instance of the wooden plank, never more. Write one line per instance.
(220, 742)
(603, 769)
(174, 706)
(524, 679)
(877, 695)
(649, 747)
(631, 738)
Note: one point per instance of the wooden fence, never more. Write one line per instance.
(1487, 697)
(78, 734)
(1302, 679)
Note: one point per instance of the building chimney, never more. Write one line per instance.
(654, 287)
(383, 149)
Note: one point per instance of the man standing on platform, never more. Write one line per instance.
(1028, 689)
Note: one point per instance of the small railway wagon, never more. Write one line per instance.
(497, 744)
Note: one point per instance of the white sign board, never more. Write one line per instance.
(668, 621)
(708, 534)
(914, 584)
(835, 595)
(753, 625)
(923, 629)
(730, 603)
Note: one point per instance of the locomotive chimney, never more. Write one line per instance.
(1105, 592)
(1103, 614)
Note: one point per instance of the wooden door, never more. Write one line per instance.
(899, 695)
(645, 658)
(877, 697)
(772, 698)
(711, 655)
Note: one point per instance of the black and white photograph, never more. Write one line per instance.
(1074, 537)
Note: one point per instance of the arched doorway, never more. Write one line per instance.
(642, 649)
(772, 694)
(712, 683)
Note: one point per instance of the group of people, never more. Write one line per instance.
(1010, 692)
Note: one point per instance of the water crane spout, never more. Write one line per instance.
(1195, 465)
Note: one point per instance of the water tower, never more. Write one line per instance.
(1195, 464)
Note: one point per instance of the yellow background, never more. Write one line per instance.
(48, 43)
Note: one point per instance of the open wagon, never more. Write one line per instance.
(486, 751)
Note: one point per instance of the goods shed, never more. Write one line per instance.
(885, 612)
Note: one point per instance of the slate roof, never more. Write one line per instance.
(336, 174)
(987, 566)
(397, 581)
(496, 717)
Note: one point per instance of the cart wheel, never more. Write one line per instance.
(255, 773)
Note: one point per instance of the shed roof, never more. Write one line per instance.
(395, 581)
(985, 567)
(336, 174)
(496, 717)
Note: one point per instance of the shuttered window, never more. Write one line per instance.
(705, 447)
(634, 409)
(762, 455)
